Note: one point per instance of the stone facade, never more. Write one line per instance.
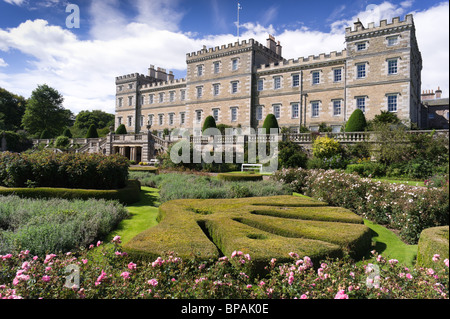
(240, 83)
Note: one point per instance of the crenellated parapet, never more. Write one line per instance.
(133, 77)
(360, 32)
(164, 84)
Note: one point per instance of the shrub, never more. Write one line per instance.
(291, 155)
(70, 170)
(16, 142)
(326, 147)
(270, 122)
(208, 228)
(61, 142)
(356, 122)
(92, 132)
(45, 135)
(67, 133)
(239, 177)
(121, 129)
(433, 241)
(210, 122)
(367, 169)
(57, 225)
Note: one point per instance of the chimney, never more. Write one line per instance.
(438, 93)
(279, 47)
(151, 71)
(427, 95)
(161, 74)
(358, 25)
(271, 44)
(170, 76)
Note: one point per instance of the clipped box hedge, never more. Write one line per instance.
(434, 240)
(147, 169)
(128, 195)
(264, 227)
(232, 177)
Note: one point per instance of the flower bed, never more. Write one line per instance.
(117, 276)
(406, 208)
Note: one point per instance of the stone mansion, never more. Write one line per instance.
(239, 84)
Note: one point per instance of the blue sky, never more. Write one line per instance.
(118, 37)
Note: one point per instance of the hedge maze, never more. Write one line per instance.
(264, 227)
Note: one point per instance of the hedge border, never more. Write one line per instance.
(148, 169)
(432, 241)
(232, 177)
(128, 195)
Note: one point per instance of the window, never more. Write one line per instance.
(182, 118)
(120, 88)
(216, 114)
(392, 66)
(337, 107)
(150, 119)
(260, 85)
(150, 98)
(183, 95)
(316, 77)
(361, 70)
(294, 109)
(277, 110)
(161, 119)
(141, 121)
(199, 70)
(277, 82)
(233, 114)
(199, 91)
(171, 96)
(142, 99)
(171, 115)
(234, 64)
(337, 75)
(259, 113)
(392, 103)
(130, 86)
(361, 103)
(391, 41)
(120, 101)
(161, 97)
(431, 116)
(315, 109)
(119, 120)
(295, 80)
(234, 87)
(130, 120)
(361, 46)
(198, 116)
(216, 67)
(216, 88)
(130, 101)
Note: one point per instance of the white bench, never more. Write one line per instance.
(153, 162)
(248, 167)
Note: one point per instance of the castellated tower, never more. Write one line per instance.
(240, 83)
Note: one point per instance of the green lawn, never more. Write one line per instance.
(399, 181)
(143, 216)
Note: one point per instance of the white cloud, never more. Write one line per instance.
(15, 2)
(84, 71)
(3, 63)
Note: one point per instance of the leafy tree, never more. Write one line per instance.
(44, 111)
(122, 129)
(67, 133)
(291, 155)
(356, 122)
(386, 118)
(210, 122)
(100, 119)
(92, 132)
(45, 134)
(270, 122)
(12, 108)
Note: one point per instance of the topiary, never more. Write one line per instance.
(356, 122)
(92, 132)
(270, 122)
(210, 122)
(326, 147)
(67, 133)
(62, 142)
(121, 129)
(45, 135)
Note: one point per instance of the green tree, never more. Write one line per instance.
(210, 122)
(92, 132)
(12, 108)
(291, 155)
(100, 119)
(67, 133)
(356, 122)
(270, 122)
(122, 129)
(44, 111)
